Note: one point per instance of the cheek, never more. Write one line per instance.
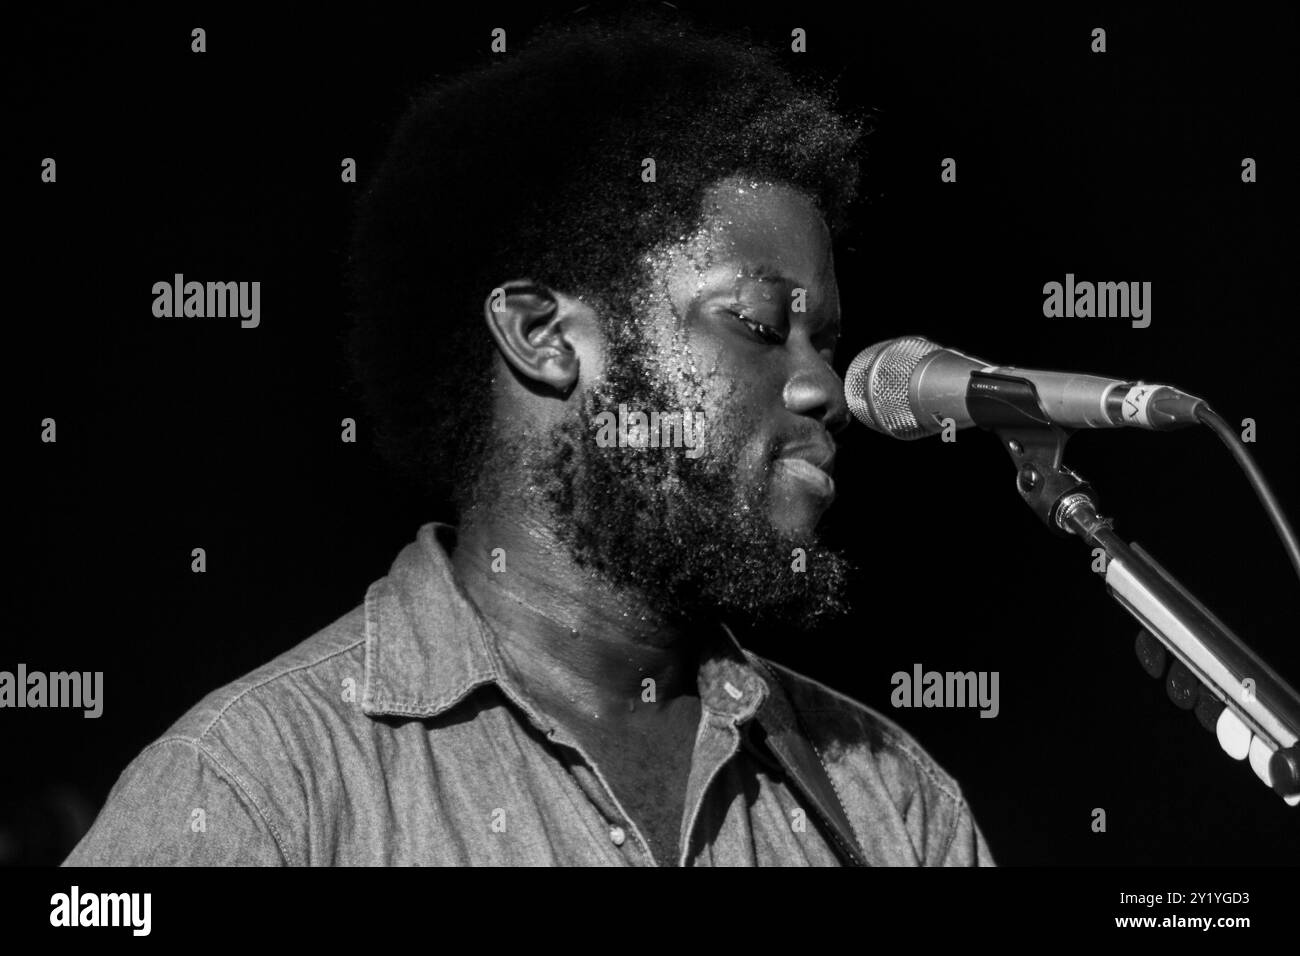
(742, 402)
(738, 387)
(737, 372)
(743, 434)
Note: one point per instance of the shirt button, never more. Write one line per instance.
(617, 835)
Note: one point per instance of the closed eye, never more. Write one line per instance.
(767, 333)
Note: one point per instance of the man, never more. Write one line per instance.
(598, 305)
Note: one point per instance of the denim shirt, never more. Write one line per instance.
(395, 737)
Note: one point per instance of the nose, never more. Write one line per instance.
(816, 391)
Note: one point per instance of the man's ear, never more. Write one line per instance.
(532, 327)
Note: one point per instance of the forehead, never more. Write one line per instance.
(752, 225)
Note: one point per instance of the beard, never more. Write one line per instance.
(692, 535)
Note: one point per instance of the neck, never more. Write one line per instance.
(573, 641)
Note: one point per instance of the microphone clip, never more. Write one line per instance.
(1008, 406)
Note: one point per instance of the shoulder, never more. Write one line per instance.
(269, 729)
(845, 729)
(891, 787)
(314, 683)
(233, 780)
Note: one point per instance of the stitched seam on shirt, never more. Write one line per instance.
(572, 786)
(730, 723)
(368, 626)
(952, 833)
(232, 780)
(274, 677)
(416, 708)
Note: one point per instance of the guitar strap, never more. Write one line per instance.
(780, 729)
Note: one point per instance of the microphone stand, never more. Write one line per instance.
(1261, 715)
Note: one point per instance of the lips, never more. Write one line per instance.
(810, 466)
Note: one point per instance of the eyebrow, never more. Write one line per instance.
(765, 272)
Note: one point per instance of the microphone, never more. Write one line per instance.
(908, 387)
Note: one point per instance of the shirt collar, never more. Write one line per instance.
(427, 646)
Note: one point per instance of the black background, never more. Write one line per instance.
(176, 434)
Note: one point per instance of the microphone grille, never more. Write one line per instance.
(877, 382)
